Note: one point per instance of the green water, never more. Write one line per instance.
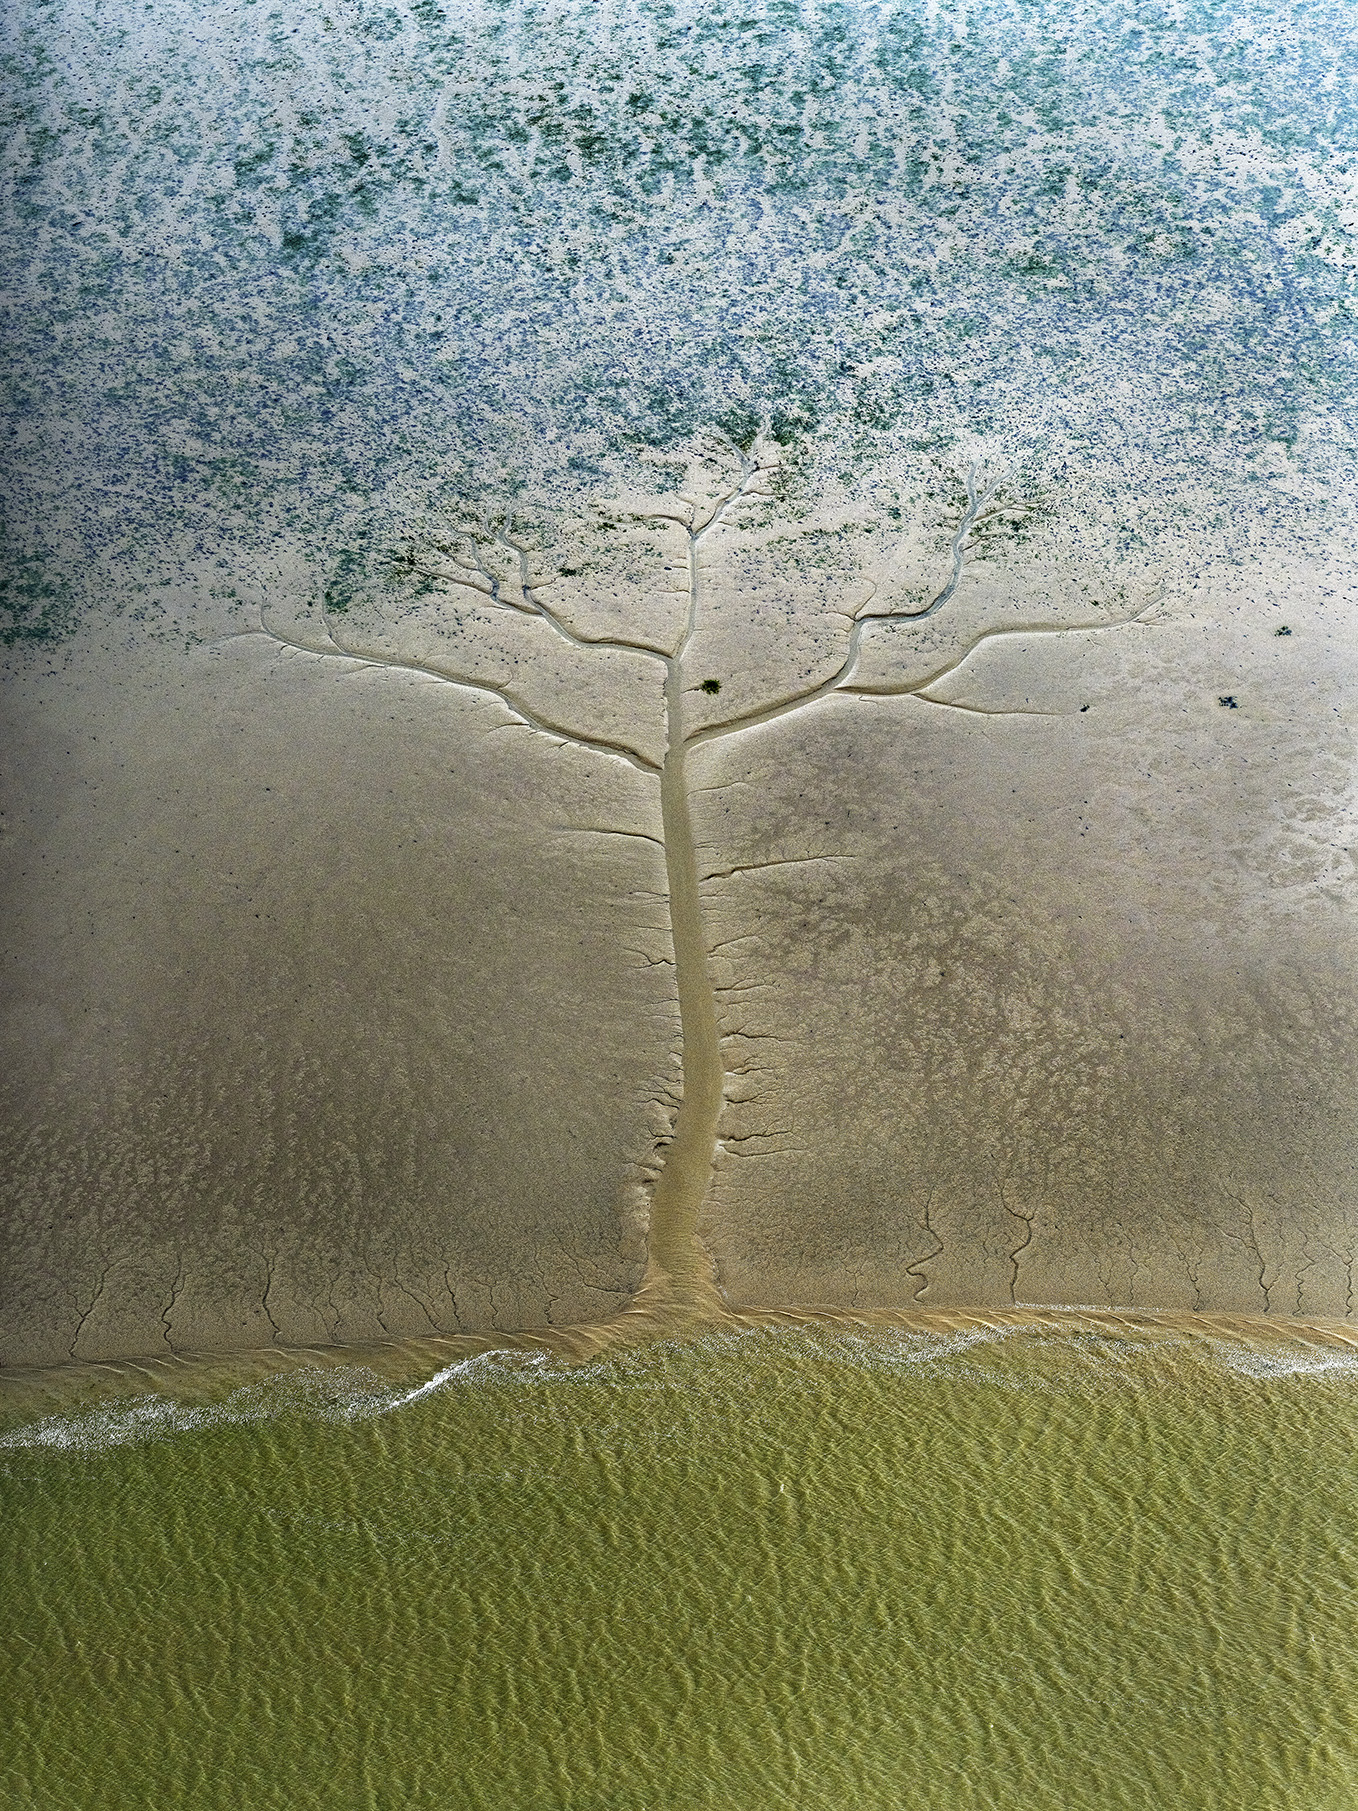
(755, 1570)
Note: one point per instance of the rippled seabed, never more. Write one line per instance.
(753, 1570)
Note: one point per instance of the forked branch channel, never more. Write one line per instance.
(679, 1274)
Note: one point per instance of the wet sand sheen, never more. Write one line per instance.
(863, 1024)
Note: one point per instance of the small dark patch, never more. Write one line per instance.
(711, 685)
(36, 601)
(1229, 702)
(1084, 707)
(1283, 631)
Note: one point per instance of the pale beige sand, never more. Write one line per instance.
(341, 1005)
(1068, 1014)
(328, 1014)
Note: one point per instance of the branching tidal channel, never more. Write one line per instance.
(496, 565)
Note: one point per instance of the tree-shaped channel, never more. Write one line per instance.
(496, 570)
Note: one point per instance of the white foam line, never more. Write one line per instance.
(1249, 1363)
(109, 1427)
(518, 1361)
(356, 1395)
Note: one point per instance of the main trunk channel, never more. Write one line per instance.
(678, 1267)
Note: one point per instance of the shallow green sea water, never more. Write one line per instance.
(764, 1569)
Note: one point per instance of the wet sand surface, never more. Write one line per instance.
(678, 1068)
(331, 1013)
(342, 1005)
(1055, 1004)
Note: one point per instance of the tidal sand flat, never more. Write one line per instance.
(677, 1075)
(1094, 926)
(965, 948)
(336, 1013)
(673, 650)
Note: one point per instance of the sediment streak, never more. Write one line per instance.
(679, 1271)
(678, 1267)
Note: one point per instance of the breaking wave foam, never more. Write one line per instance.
(1250, 1361)
(339, 1394)
(353, 1394)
